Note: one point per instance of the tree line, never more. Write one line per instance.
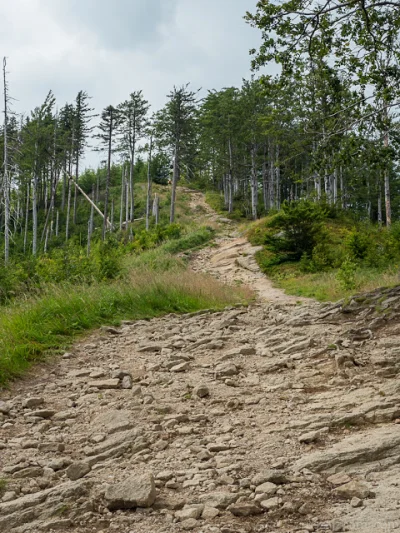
(324, 128)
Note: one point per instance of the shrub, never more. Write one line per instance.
(358, 244)
(298, 228)
(346, 274)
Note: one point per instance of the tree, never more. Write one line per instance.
(6, 181)
(175, 127)
(134, 120)
(110, 121)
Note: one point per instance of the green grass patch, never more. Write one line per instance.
(32, 329)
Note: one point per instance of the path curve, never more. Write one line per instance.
(233, 261)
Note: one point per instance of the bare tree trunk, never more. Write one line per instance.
(380, 204)
(254, 182)
(57, 222)
(107, 193)
(149, 186)
(112, 216)
(156, 209)
(131, 169)
(335, 186)
(121, 213)
(90, 224)
(278, 177)
(64, 186)
(230, 178)
(388, 206)
(174, 184)
(26, 216)
(6, 184)
(68, 211)
(265, 180)
(272, 201)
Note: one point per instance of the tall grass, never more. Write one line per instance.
(32, 329)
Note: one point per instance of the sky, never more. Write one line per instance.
(111, 49)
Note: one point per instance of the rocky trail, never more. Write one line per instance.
(279, 417)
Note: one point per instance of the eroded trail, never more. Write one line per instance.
(277, 417)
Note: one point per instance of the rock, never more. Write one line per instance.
(182, 367)
(30, 403)
(43, 413)
(378, 444)
(126, 382)
(271, 476)
(354, 489)
(105, 384)
(307, 438)
(78, 470)
(219, 500)
(337, 526)
(134, 491)
(269, 489)
(245, 509)
(113, 421)
(356, 502)
(190, 511)
(189, 524)
(339, 479)
(5, 408)
(9, 496)
(271, 504)
(202, 391)
(30, 472)
(226, 370)
(137, 390)
(210, 513)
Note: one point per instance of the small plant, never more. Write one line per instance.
(3, 486)
(346, 274)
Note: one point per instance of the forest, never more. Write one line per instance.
(322, 134)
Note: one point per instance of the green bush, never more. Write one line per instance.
(298, 229)
(346, 274)
(358, 244)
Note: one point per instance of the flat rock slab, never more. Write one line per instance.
(134, 491)
(375, 445)
(113, 421)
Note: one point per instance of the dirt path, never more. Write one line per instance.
(232, 260)
(272, 418)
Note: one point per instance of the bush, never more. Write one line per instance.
(346, 275)
(358, 244)
(298, 229)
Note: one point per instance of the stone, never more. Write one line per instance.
(378, 444)
(30, 403)
(43, 413)
(113, 421)
(339, 479)
(78, 470)
(219, 500)
(126, 382)
(189, 524)
(134, 491)
(354, 489)
(137, 390)
(210, 513)
(9, 496)
(105, 384)
(202, 391)
(182, 367)
(337, 526)
(5, 408)
(245, 509)
(271, 476)
(268, 488)
(190, 511)
(30, 472)
(271, 504)
(356, 502)
(307, 438)
(226, 370)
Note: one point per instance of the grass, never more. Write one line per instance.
(325, 286)
(31, 330)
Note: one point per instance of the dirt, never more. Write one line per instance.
(277, 417)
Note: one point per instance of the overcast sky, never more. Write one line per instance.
(112, 48)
